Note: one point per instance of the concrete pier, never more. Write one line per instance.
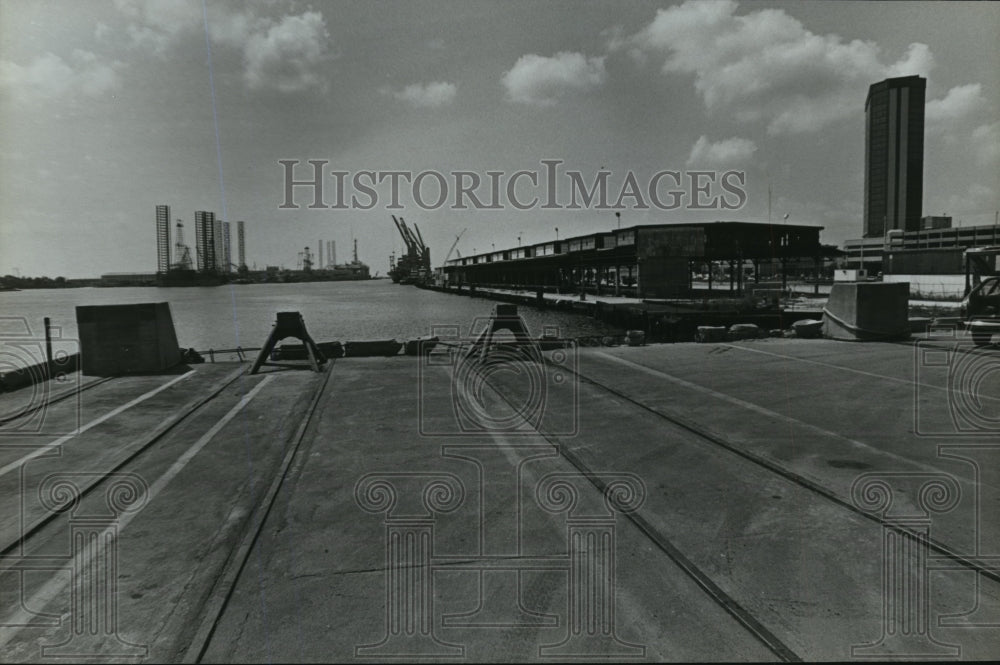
(772, 499)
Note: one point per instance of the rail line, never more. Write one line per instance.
(741, 614)
(795, 478)
(53, 399)
(15, 548)
(704, 581)
(196, 631)
(218, 600)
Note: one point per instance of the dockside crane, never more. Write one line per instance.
(454, 245)
(420, 238)
(425, 254)
(414, 265)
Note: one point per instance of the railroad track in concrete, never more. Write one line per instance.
(741, 614)
(713, 438)
(221, 593)
(51, 400)
(28, 550)
(13, 547)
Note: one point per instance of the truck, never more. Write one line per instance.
(980, 307)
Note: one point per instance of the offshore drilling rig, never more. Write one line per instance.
(414, 266)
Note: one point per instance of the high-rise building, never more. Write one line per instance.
(894, 155)
(241, 247)
(204, 239)
(162, 238)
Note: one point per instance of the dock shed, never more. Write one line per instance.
(648, 261)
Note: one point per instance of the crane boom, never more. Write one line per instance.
(453, 245)
(414, 265)
(419, 237)
(411, 242)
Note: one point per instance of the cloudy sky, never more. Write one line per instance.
(109, 107)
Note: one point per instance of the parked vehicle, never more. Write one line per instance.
(981, 304)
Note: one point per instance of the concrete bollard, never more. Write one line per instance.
(707, 334)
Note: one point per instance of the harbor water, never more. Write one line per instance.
(234, 315)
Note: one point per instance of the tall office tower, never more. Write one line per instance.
(204, 240)
(319, 261)
(162, 238)
(894, 155)
(331, 254)
(241, 247)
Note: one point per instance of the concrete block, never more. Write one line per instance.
(744, 331)
(711, 334)
(329, 350)
(860, 311)
(126, 339)
(919, 324)
(808, 328)
(388, 347)
(420, 345)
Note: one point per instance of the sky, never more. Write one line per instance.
(110, 107)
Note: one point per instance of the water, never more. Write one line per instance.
(225, 317)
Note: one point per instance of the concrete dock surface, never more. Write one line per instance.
(773, 499)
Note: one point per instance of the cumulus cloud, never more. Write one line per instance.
(49, 77)
(284, 53)
(765, 65)
(155, 23)
(429, 95)
(728, 152)
(959, 102)
(986, 144)
(542, 81)
(102, 31)
(976, 200)
(288, 55)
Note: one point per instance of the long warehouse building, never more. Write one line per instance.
(651, 261)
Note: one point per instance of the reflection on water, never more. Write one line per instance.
(241, 315)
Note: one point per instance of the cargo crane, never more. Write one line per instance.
(414, 266)
(454, 245)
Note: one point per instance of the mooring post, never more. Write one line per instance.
(289, 324)
(505, 317)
